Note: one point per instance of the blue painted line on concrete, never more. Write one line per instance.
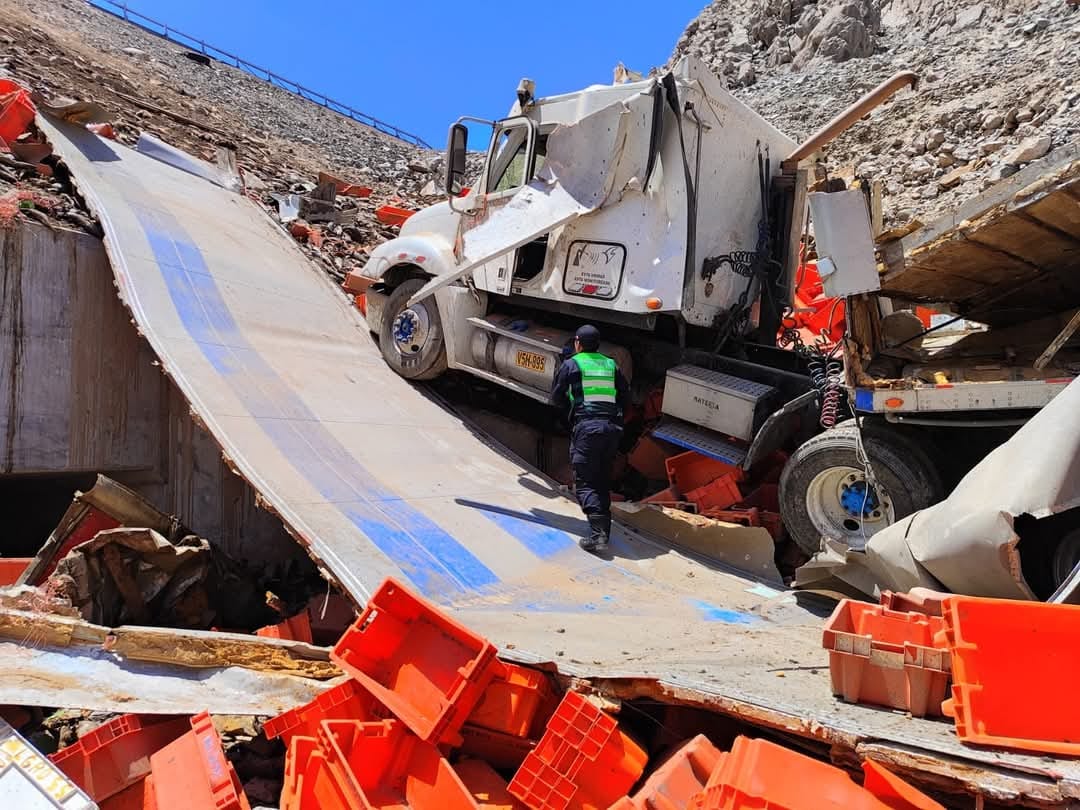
(542, 540)
(429, 556)
(711, 613)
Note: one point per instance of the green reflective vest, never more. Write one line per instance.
(597, 378)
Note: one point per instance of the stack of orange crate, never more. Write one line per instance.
(423, 690)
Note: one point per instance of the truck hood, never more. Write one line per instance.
(438, 220)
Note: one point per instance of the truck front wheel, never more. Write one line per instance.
(411, 337)
(825, 492)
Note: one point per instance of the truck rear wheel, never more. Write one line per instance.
(411, 337)
(824, 491)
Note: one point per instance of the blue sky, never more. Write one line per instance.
(421, 64)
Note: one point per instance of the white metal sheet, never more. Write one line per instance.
(91, 678)
(845, 243)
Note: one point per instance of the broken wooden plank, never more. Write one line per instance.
(203, 648)
(1026, 225)
(1059, 341)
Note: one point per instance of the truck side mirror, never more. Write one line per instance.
(456, 145)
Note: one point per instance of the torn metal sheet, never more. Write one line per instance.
(374, 478)
(747, 548)
(99, 681)
(51, 660)
(588, 164)
(967, 543)
(170, 155)
(199, 649)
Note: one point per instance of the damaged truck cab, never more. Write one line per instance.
(642, 207)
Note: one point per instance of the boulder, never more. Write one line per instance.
(1029, 149)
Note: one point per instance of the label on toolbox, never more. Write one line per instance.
(28, 780)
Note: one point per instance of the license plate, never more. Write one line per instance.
(531, 361)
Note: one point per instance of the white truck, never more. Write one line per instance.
(670, 215)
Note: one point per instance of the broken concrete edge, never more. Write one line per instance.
(1030, 787)
(196, 649)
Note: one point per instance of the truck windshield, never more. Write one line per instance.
(512, 159)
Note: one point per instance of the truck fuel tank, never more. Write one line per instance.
(528, 353)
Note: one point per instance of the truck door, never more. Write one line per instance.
(516, 156)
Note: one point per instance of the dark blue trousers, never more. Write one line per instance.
(593, 446)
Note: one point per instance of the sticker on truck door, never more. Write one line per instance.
(594, 269)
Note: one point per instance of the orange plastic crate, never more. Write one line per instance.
(759, 775)
(297, 628)
(16, 110)
(518, 701)
(886, 657)
(383, 765)
(894, 791)
(133, 797)
(427, 669)
(116, 755)
(346, 701)
(487, 788)
(307, 785)
(392, 215)
(1000, 645)
(583, 761)
(191, 773)
(11, 569)
(719, 493)
(678, 780)
(917, 600)
(689, 471)
(504, 751)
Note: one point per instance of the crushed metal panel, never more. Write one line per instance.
(54, 660)
(967, 542)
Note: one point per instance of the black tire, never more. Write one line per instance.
(901, 467)
(424, 361)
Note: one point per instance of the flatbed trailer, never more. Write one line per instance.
(375, 478)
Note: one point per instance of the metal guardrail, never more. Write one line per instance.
(166, 31)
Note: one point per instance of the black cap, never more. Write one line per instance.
(589, 337)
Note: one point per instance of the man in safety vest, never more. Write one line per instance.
(591, 387)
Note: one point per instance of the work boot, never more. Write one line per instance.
(598, 534)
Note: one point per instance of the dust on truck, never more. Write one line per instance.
(665, 211)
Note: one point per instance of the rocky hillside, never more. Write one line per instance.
(998, 84)
(66, 47)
